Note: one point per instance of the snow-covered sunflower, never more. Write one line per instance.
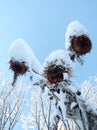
(22, 59)
(57, 68)
(77, 39)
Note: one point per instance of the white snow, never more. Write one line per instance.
(66, 76)
(73, 104)
(75, 28)
(72, 87)
(89, 93)
(62, 97)
(59, 57)
(61, 125)
(20, 51)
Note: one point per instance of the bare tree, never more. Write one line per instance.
(40, 111)
(11, 103)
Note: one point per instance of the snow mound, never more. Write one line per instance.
(59, 57)
(20, 51)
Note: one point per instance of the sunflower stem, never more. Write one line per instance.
(14, 79)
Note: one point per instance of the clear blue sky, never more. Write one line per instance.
(42, 23)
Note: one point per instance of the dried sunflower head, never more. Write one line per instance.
(77, 41)
(54, 73)
(57, 67)
(18, 67)
(81, 44)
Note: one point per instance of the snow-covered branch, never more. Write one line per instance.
(11, 103)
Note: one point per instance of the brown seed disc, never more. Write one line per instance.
(54, 74)
(81, 44)
(18, 67)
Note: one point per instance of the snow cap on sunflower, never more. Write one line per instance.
(77, 39)
(57, 67)
(22, 58)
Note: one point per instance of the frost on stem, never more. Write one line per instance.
(22, 59)
(77, 41)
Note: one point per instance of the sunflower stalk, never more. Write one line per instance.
(14, 79)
